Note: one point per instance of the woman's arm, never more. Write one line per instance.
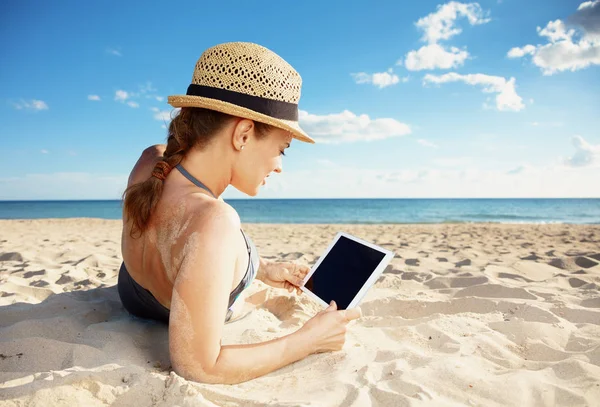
(145, 164)
(199, 306)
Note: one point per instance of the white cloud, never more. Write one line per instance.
(464, 181)
(588, 4)
(506, 98)
(164, 115)
(520, 52)
(147, 88)
(347, 127)
(145, 91)
(33, 104)
(434, 56)
(568, 49)
(426, 143)
(383, 79)
(121, 96)
(114, 52)
(438, 26)
(94, 97)
(44, 151)
(380, 79)
(585, 155)
(441, 24)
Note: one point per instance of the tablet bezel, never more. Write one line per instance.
(388, 255)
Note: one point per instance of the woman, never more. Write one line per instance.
(185, 256)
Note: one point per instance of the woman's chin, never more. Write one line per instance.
(253, 192)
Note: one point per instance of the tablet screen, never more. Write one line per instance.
(344, 271)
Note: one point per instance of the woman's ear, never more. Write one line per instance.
(241, 133)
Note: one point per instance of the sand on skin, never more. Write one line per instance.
(466, 314)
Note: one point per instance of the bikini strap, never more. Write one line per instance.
(190, 177)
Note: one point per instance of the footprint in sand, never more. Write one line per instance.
(585, 262)
(85, 282)
(38, 283)
(412, 262)
(390, 269)
(576, 282)
(558, 263)
(415, 275)
(532, 256)
(64, 279)
(465, 262)
(11, 256)
(591, 303)
(30, 274)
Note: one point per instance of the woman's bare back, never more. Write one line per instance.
(154, 258)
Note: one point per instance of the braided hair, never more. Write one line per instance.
(192, 127)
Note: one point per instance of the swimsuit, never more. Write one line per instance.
(141, 303)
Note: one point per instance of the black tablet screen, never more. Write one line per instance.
(344, 271)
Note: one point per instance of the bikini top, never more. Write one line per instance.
(253, 259)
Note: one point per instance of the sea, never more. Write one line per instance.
(349, 211)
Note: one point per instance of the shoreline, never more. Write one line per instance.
(94, 219)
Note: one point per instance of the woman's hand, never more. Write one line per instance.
(286, 275)
(327, 330)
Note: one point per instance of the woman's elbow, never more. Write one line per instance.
(198, 374)
(195, 372)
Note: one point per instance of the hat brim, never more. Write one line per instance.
(235, 110)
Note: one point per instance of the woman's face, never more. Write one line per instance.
(260, 158)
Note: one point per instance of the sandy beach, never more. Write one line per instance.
(466, 314)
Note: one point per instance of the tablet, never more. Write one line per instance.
(346, 271)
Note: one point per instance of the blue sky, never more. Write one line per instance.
(436, 99)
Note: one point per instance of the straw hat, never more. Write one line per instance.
(246, 80)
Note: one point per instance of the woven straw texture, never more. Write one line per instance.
(250, 69)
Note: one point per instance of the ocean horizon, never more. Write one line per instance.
(348, 210)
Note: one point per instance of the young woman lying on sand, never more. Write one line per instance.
(186, 257)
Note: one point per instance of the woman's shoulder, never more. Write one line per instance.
(215, 213)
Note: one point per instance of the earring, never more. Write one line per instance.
(242, 147)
